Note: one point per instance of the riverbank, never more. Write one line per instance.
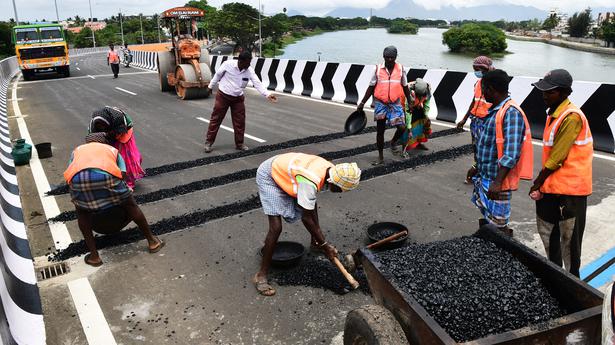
(565, 44)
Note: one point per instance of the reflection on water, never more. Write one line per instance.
(426, 50)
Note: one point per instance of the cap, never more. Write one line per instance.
(390, 51)
(345, 175)
(554, 79)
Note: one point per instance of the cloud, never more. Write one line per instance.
(38, 9)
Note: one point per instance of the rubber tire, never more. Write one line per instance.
(27, 75)
(64, 71)
(166, 64)
(373, 325)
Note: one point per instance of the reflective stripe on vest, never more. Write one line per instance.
(574, 177)
(525, 165)
(481, 106)
(113, 56)
(388, 88)
(287, 166)
(93, 156)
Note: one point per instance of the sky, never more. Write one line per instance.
(31, 10)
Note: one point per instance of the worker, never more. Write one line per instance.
(504, 153)
(287, 187)
(120, 134)
(94, 176)
(479, 107)
(233, 77)
(565, 181)
(387, 86)
(113, 59)
(417, 110)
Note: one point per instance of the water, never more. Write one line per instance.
(425, 50)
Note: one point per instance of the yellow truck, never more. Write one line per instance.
(41, 47)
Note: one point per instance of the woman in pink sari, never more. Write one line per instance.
(119, 128)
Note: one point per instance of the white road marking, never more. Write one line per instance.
(128, 92)
(95, 326)
(82, 77)
(93, 321)
(59, 232)
(78, 69)
(440, 123)
(232, 131)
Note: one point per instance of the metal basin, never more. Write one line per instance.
(356, 122)
(286, 254)
(379, 231)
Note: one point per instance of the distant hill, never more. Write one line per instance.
(407, 8)
(291, 13)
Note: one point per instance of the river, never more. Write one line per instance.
(425, 50)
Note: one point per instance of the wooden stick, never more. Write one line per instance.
(388, 239)
(353, 283)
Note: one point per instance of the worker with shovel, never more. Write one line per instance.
(287, 187)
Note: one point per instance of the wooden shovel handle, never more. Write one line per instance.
(353, 283)
(388, 239)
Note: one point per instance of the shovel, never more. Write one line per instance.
(351, 262)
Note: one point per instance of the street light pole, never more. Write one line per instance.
(141, 21)
(122, 27)
(57, 15)
(260, 31)
(92, 22)
(158, 24)
(15, 10)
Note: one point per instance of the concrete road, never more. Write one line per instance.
(197, 290)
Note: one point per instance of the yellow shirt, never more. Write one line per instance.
(565, 136)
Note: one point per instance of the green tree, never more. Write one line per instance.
(475, 38)
(550, 23)
(238, 22)
(402, 26)
(379, 22)
(608, 30)
(273, 29)
(579, 23)
(6, 42)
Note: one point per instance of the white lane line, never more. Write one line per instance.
(84, 76)
(232, 131)
(78, 69)
(93, 321)
(59, 232)
(440, 123)
(128, 92)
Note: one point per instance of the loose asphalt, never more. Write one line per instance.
(197, 289)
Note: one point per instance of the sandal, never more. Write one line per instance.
(93, 264)
(378, 162)
(263, 287)
(157, 248)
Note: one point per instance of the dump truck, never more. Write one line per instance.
(39, 48)
(185, 66)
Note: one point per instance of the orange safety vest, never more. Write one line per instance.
(93, 156)
(525, 166)
(287, 166)
(574, 177)
(481, 106)
(113, 56)
(388, 87)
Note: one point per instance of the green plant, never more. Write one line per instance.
(402, 26)
(475, 38)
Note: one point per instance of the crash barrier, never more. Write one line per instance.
(85, 51)
(21, 315)
(144, 59)
(452, 91)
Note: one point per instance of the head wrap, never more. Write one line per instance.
(390, 51)
(345, 175)
(420, 87)
(483, 62)
(113, 117)
(99, 137)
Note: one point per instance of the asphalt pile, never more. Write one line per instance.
(318, 272)
(470, 287)
(199, 217)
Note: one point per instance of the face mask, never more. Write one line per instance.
(478, 74)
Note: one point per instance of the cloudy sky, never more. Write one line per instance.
(37, 9)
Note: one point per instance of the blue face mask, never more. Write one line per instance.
(478, 74)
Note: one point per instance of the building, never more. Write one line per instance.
(606, 16)
(95, 26)
(562, 21)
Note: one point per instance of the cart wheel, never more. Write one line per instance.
(373, 325)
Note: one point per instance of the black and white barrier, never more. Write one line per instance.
(86, 51)
(21, 315)
(144, 59)
(452, 91)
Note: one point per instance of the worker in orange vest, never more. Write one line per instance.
(95, 180)
(388, 85)
(479, 107)
(503, 153)
(113, 59)
(565, 181)
(287, 186)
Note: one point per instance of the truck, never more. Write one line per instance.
(41, 47)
